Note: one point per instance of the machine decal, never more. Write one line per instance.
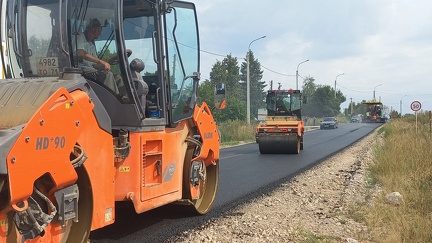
(169, 172)
(208, 135)
(124, 169)
(43, 143)
(108, 215)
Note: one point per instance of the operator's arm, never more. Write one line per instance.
(99, 63)
(82, 52)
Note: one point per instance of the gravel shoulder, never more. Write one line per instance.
(322, 204)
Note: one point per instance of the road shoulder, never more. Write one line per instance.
(321, 203)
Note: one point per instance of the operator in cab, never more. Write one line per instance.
(93, 67)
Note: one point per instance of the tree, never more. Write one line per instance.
(309, 88)
(323, 102)
(257, 86)
(206, 92)
(357, 108)
(225, 71)
(394, 114)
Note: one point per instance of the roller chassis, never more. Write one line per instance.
(71, 145)
(282, 130)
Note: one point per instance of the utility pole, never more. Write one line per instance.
(248, 82)
(400, 111)
(374, 91)
(351, 106)
(335, 81)
(298, 74)
(271, 84)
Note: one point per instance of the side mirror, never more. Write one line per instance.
(219, 97)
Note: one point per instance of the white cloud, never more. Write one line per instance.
(384, 42)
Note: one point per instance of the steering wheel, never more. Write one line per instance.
(114, 59)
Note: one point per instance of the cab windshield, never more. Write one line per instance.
(35, 45)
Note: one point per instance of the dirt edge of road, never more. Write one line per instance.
(319, 205)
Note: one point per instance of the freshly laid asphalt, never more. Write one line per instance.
(244, 175)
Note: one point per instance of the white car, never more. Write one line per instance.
(356, 119)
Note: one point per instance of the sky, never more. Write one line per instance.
(383, 46)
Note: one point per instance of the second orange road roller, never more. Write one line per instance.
(282, 131)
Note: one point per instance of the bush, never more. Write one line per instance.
(236, 130)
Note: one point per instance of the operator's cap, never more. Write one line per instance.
(94, 23)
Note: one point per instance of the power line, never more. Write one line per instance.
(352, 89)
(268, 69)
(287, 75)
(220, 55)
(215, 54)
(382, 92)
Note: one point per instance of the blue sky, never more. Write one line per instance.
(384, 45)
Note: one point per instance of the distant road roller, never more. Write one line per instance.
(282, 130)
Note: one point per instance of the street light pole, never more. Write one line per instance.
(335, 81)
(374, 91)
(248, 82)
(297, 73)
(401, 105)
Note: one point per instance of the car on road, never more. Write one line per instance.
(329, 122)
(356, 119)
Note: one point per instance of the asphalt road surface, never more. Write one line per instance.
(244, 175)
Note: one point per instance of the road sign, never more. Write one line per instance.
(415, 105)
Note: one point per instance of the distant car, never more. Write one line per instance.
(329, 122)
(356, 119)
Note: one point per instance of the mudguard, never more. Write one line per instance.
(207, 128)
(45, 144)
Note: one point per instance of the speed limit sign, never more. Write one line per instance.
(415, 105)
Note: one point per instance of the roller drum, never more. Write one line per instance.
(279, 144)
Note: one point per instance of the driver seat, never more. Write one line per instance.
(137, 66)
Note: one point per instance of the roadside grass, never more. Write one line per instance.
(310, 237)
(403, 163)
(356, 213)
(234, 132)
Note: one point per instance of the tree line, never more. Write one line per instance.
(321, 100)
